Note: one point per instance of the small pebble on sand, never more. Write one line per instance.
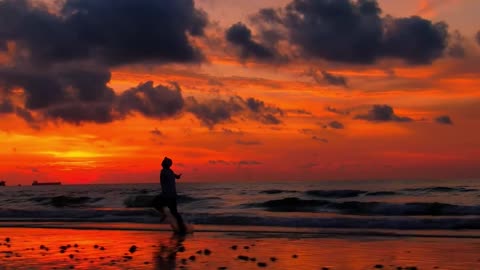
(242, 257)
(294, 256)
(133, 249)
(234, 247)
(262, 264)
(207, 252)
(378, 266)
(192, 258)
(273, 259)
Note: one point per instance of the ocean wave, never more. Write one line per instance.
(65, 201)
(382, 193)
(147, 200)
(277, 191)
(342, 193)
(148, 217)
(293, 204)
(440, 189)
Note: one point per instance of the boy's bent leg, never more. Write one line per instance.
(172, 205)
(158, 204)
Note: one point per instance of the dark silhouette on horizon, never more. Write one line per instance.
(168, 197)
(36, 183)
(2, 183)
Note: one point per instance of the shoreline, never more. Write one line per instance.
(298, 232)
(89, 248)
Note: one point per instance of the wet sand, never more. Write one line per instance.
(59, 248)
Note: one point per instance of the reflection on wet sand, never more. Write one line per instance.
(166, 255)
(28, 248)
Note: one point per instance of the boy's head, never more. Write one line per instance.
(167, 163)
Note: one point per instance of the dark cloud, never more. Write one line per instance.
(64, 51)
(28, 117)
(382, 113)
(73, 94)
(299, 111)
(337, 111)
(241, 36)
(444, 119)
(270, 119)
(334, 79)
(354, 32)
(78, 113)
(25, 115)
(414, 39)
(215, 111)
(111, 31)
(6, 106)
(456, 49)
(326, 77)
(336, 125)
(318, 139)
(151, 101)
(254, 104)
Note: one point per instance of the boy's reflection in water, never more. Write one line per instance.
(166, 256)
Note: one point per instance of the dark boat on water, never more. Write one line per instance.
(2, 183)
(36, 183)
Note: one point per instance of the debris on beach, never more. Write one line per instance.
(243, 257)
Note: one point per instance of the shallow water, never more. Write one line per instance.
(413, 205)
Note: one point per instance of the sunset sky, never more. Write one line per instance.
(99, 91)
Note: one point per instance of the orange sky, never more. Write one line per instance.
(303, 147)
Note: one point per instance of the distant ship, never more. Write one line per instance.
(36, 183)
(2, 183)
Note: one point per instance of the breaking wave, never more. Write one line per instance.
(294, 204)
(147, 216)
(65, 201)
(342, 193)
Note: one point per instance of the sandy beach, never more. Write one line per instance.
(123, 247)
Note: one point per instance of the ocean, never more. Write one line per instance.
(381, 205)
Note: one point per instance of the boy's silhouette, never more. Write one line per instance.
(169, 193)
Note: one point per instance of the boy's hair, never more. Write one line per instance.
(167, 163)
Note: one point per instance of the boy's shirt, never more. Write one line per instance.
(167, 181)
